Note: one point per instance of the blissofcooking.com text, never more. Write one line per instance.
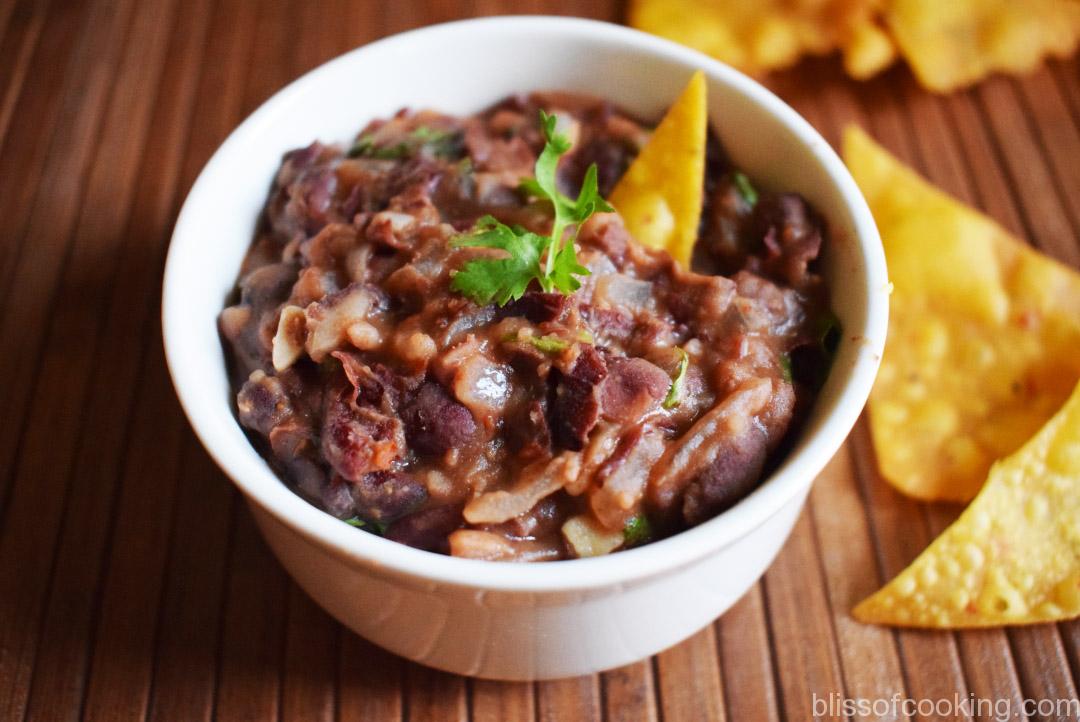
(900, 707)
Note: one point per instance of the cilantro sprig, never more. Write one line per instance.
(674, 393)
(745, 188)
(548, 344)
(550, 260)
(785, 368)
(637, 530)
(439, 143)
(375, 527)
(499, 279)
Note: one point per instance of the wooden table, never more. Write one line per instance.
(132, 581)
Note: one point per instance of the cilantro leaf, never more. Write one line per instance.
(440, 143)
(745, 188)
(637, 530)
(565, 268)
(548, 344)
(677, 381)
(829, 332)
(362, 146)
(810, 361)
(499, 279)
(427, 134)
(785, 367)
(391, 152)
(375, 527)
(365, 147)
(549, 260)
(545, 187)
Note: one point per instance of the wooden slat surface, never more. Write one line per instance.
(133, 585)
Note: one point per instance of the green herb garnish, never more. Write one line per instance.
(424, 134)
(677, 381)
(362, 146)
(365, 147)
(501, 279)
(391, 152)
(745, 188)
(815, 357)
(785, 367)
(637, 530)
(375, 527)
(829, 331)
(548, 344)
(550, 260)
(442, 143)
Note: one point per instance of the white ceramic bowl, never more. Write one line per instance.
(499, 620)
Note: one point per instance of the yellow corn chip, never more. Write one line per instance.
(659, 196)
(867, 50)
(984, 334)
(771, 34)
(952, 43)
(751, 36)
(1013, 556)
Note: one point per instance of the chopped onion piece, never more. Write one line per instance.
(538, 481)
(289, 340)
(587, 538)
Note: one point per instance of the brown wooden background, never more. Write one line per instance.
(132, 582)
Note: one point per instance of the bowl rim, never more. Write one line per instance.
(260, 485)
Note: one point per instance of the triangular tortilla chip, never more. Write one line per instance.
(1013, 556)
(771, 34)
(953, 43)
(659, 196)
(984, 334)
(867, 50)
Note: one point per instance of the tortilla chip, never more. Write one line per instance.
(1013, 556)
(984, 334)
(659, 197)
(750, 36)
(771, 34)
(955, 43)
(867, 50)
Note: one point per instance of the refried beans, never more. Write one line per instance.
(558, 425)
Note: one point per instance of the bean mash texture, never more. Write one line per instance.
(555, 426)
